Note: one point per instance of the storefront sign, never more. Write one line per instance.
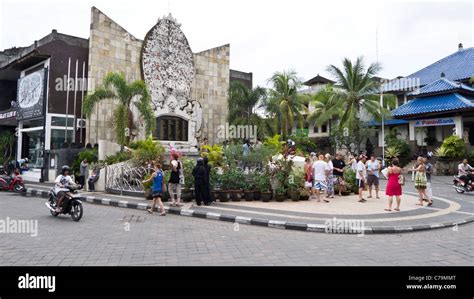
(31, 95)
(435, 122)
(8, 114)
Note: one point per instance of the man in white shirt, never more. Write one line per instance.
(319, 177)
(373, 174)
(465, 172)
(361, 176)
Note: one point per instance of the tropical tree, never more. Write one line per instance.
(116, 87)
(355, 91)
(284, 103)
(7, 141)
(243, 103)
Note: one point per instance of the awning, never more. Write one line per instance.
(387, 122)
(439, 103)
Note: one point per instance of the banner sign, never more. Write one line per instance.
(435, 122)
(31, 95)
(8, 114)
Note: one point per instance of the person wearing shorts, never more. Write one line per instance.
(319, 177)
(373, 169)
(158, 189)
(361, 175)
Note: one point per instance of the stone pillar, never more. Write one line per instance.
(411, 130)
(458, 123)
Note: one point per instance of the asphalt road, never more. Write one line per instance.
(116, 236)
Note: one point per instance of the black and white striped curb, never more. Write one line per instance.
(322, 228)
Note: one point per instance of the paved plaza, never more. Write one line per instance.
(117, 236)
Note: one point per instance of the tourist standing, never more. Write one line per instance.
(373, 175)
(200, 178)
(319, 177)
(338, 171)
(157, 189)
(353, 162)
(329, 176)
(361, 176)
(174, 186)
(208, 194)
(308, 173)
(245, 153)
(203, 148)
(429, 170)
(420, 181)
(83, 168)
(393, 185)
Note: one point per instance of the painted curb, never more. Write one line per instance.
(298, 226)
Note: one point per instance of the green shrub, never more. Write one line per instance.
(262, 182)
(232, 179)
(117, 158)
(188, 166)
(452, 147)
(89, 154)
(214, 155)
(274, 144)
(147, 150)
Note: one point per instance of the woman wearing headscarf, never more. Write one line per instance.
(200, 182)
(208, 185)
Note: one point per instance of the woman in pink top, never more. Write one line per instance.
(393, 187)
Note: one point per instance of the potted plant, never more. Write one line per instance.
(249, 191)
(304, 193)
(280, 194)
(295, 182)
(263, 186)
(187, 194)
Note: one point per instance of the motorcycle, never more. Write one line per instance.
(459, 185)
(71, 204)
(12, 182)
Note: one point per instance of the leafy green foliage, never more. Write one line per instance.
(232, 179)
(262, 182)
(214, 154)
(7, 141)
(296, 179)
(400, 147)
(147, 150)
(452, 147)
(188, 166)
(304, 144)
(274, 144)
(117, 158)
(116, 87)
(89, 154)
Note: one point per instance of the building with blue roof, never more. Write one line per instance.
(436, 101)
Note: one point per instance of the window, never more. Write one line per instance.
(58, 138)
(315, 129)
(171, 128)
(61, 121)
(324, 128)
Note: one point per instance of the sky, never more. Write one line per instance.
(266, 36)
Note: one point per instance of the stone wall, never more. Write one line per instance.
(211, 84)
(111, 48)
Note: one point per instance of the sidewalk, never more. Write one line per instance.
(304, 215)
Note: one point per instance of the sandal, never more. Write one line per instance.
(398, 210)
(419, 204)
(163, 213)
(150, 211)
(430, 204)
(388, 210)
(325, 200)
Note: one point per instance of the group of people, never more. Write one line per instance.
(322, 174)
(201, 173)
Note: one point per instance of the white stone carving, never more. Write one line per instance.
(168, 71)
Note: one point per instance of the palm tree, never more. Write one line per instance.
(284, 102)
(243, 103)
(356, 90)
(116, 87)
(7, 140)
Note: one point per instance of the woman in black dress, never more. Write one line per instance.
(200, 182)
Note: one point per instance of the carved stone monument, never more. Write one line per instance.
(168, 71)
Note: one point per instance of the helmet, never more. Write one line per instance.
(65, 168)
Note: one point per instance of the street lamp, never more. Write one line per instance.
(383, 125)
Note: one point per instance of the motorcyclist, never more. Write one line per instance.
(290, 148)
(63, 180)
(465, 172)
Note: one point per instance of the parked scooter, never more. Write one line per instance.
(12, 182)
